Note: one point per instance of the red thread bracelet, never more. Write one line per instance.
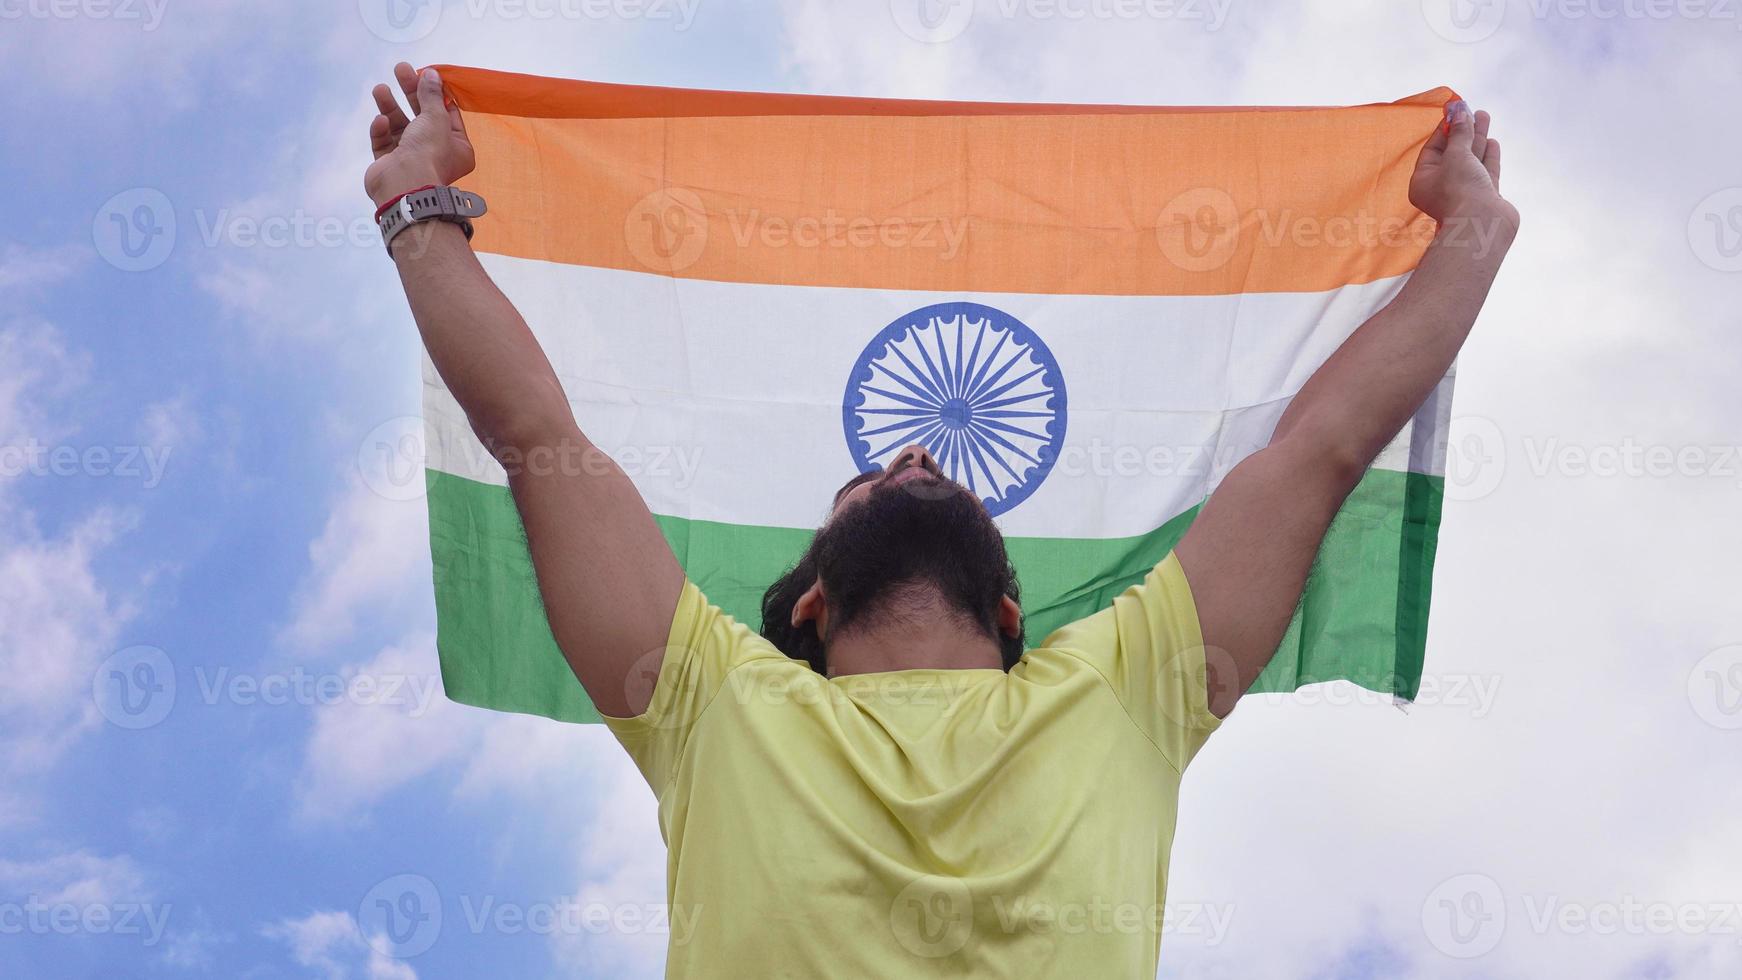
(399, 197)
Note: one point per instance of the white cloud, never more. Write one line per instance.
(170, 424)
(620, 863)
(367, 746)
(26, 269)
(76, 878)
(58, 618)
(370, 557)
(150, 50)
(329, 943)
(36, 373)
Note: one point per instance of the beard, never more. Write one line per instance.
(924, 536)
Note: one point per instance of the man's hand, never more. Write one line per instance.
(431, 148)
(609, 581)
(1457, 174)
(1248, 553)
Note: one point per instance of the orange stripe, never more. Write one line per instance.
(994, 197)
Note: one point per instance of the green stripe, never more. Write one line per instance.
(1363, 617)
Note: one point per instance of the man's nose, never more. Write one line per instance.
(914, 455)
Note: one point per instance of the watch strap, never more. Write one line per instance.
(433, 203)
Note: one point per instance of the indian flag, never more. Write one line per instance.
(1089, 313)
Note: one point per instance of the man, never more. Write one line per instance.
(885, 783)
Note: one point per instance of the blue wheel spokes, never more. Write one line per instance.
(992, 415)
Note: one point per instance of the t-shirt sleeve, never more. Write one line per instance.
(704, 646)
(1150, 649)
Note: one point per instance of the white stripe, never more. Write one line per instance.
(723, 400)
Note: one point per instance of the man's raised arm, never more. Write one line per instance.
(609, 582)
(1248, 553)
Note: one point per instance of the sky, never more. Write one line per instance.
(206, 363)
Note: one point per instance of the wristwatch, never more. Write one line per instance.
(432, 202)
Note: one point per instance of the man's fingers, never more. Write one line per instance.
(389, 107)
(1491, 160)
(407, 78)
(429, 90)
(1479, 139)
(381, 138)
(1463, 126)
(1437, 142)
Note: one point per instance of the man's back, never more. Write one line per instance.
(924, 822)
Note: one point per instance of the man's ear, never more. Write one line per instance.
(813, 606)
(1010, 618)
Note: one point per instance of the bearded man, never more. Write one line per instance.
(886, 781)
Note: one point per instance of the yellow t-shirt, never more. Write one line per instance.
(924, 823)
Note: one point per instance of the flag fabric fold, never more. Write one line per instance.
(1088, 313)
